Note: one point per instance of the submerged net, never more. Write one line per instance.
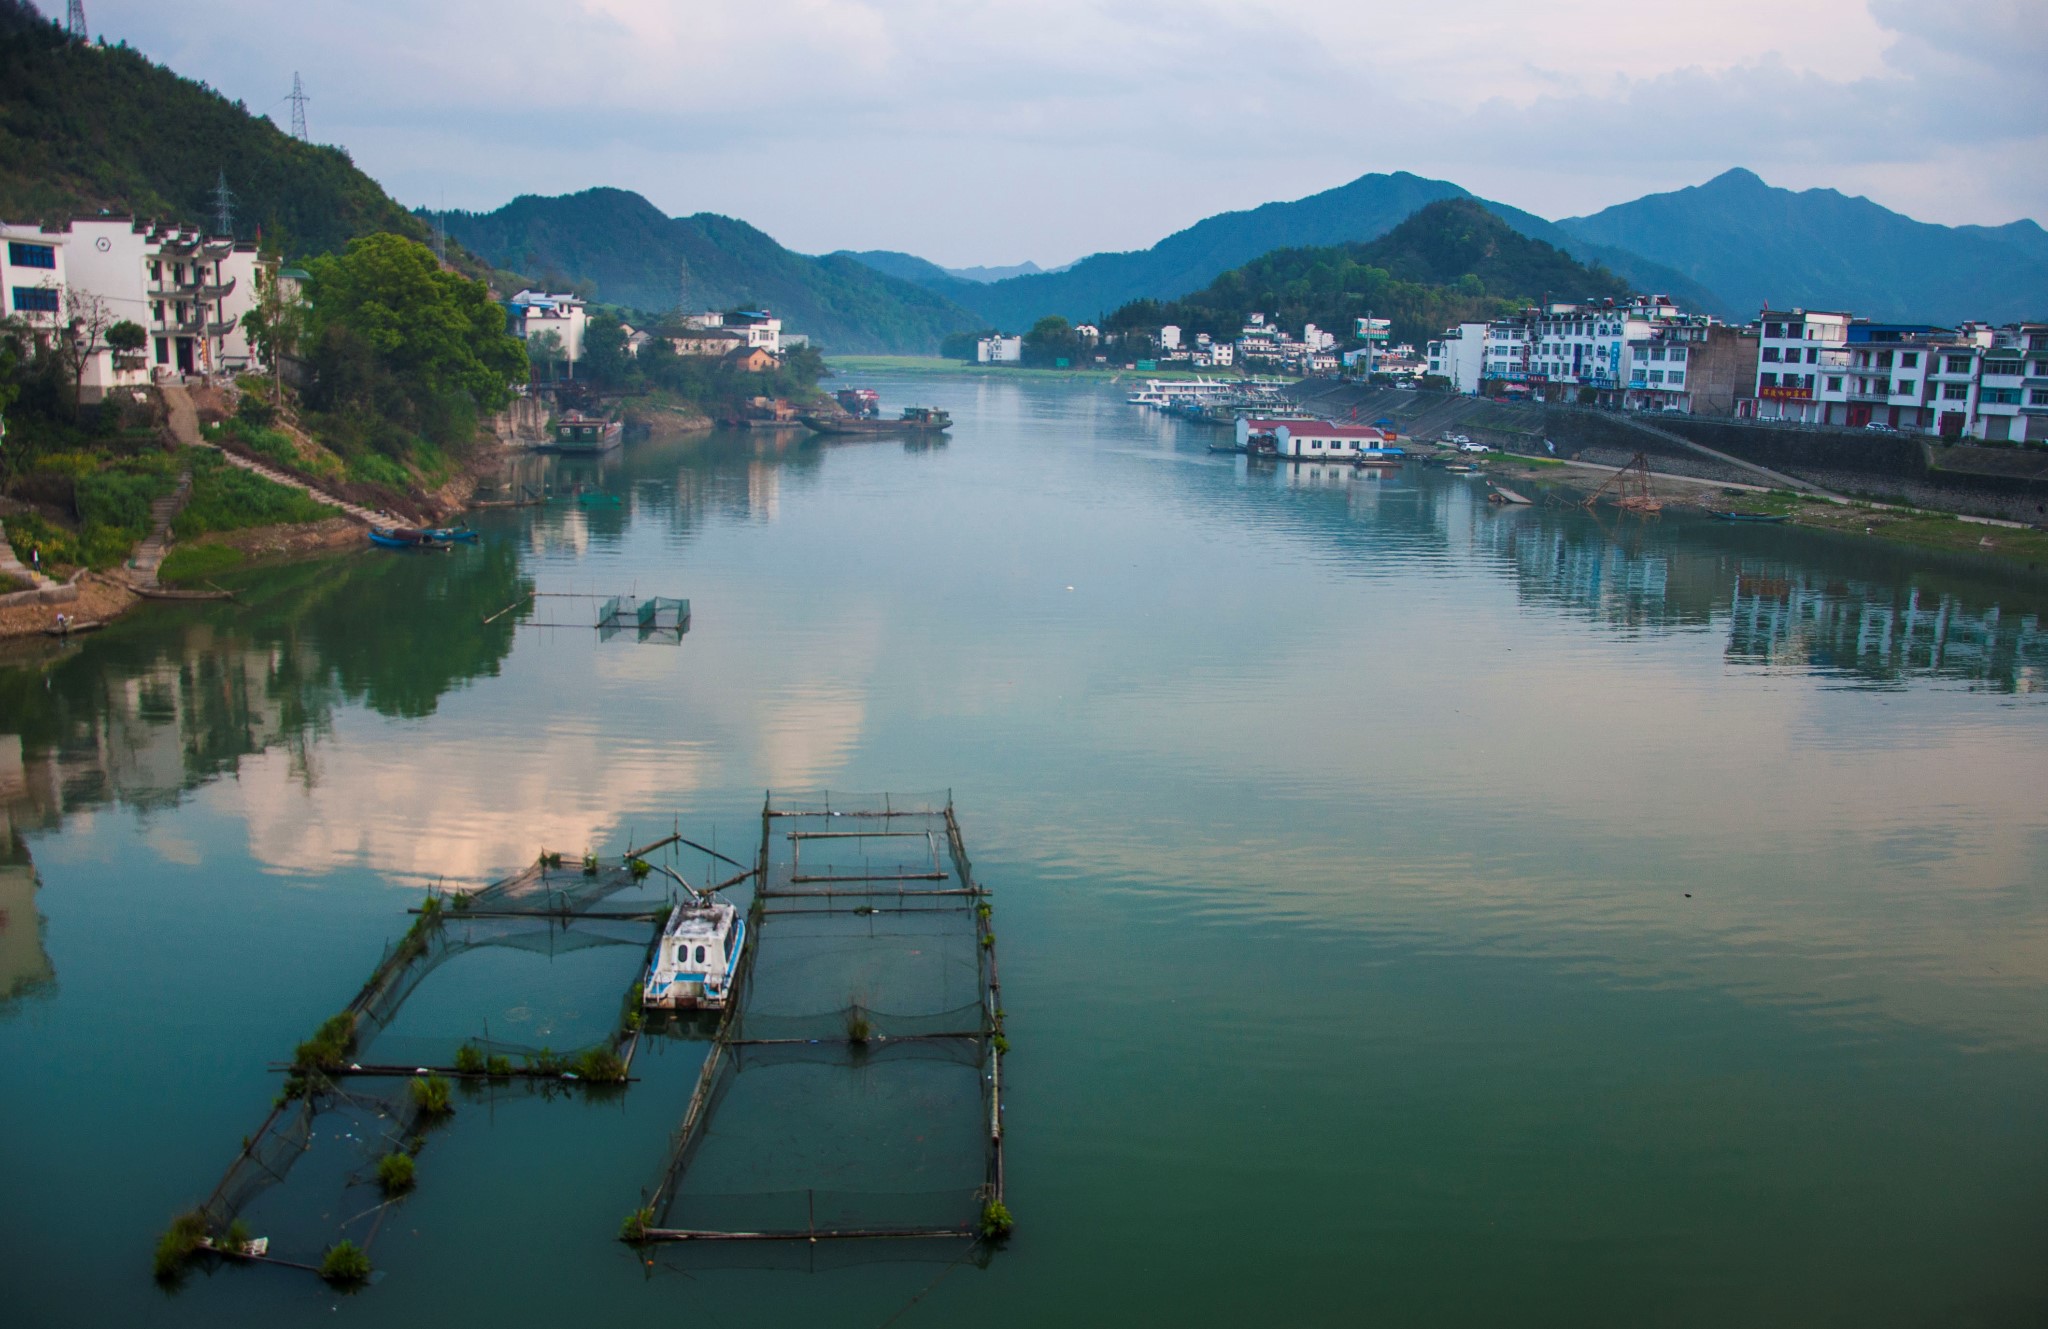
(851, 1089)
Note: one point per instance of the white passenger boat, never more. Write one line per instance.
(696, 957)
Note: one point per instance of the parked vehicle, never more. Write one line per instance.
(1876, 428)
(1467, 445)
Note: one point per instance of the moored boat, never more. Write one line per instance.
(695, 959)
(1760, 518)
(577, 432)
(405, 537)
(921, 419)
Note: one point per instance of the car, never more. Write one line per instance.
(1877, 428)
(1460, 439)
(1469, 446)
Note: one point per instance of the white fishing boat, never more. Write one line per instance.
(695, 959)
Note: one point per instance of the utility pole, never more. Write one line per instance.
(298, 99)
(223, 207)
(74, 22)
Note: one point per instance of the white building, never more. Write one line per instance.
(536, 313)
(187, 290)
(1802, 359)
(1169, 337)
(999, 350)
(1310, 440)
(1460, 356)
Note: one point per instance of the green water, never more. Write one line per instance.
(1410, 911)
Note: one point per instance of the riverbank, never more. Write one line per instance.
(1572, 482)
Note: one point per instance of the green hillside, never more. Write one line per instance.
(1453, 260)
(634, 255)
(86, 127)
(1362, 210)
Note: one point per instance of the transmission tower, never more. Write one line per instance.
(74, 22)
(223, 207)
(298, 99)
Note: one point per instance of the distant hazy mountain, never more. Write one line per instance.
(981, 273)
(1365, 209)
(924, 272)
(635, 255)
(1454, 260)
(1820, 249)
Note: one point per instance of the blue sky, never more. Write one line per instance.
(987, 131)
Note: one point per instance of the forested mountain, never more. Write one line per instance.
(91, 127)
(1362, 210)
(1820, 249)
(632, 254)
(1453, 260)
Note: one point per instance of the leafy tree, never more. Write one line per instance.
(277, 324)
(396, 332)
(1050, 340)
(127, 337)
(604, 349)
(544, 350)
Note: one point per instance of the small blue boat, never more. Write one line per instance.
(1760, 518)
(405, 537)
(451, 534)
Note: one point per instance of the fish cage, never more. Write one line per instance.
(659, 618)
(854, 1088)
(531, 983)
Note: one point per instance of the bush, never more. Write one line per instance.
(396, 1173)
(430, 1095)
(234, 1241)
(995, 1221)
(190, 563)
(345, 1264)
(601, 1065)
(468, 1059)
(499, 1068)
(636, 1225)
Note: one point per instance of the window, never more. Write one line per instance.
(1812, 356)
(1769, 381)
(2000, 397)
(700, 955)
(1884, 359)
(1678, 353)
(1676, 377)
(1909, 359)
(1834, 383)
(1656, 352)
(1774, 329)
(1955, 392)
(31, 256)
(1905, 387)
(2040, 369)
(2037, 397)
(1771, 354)
(35, 299)
(2001, 367)
(1959, 364)
(1656, 376)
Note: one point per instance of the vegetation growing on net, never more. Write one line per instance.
(996, 1222)
(330, 1045)
(469, 1059)
(636, 1224)
(431, 1096)
(345, 1264)
(396, 1173)
(601, 1065)
(180, 1245)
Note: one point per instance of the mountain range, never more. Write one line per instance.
(633, 254)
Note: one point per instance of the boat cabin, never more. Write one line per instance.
(696, 956)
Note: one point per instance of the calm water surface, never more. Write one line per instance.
(1410, 911)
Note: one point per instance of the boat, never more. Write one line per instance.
(1760, 518)
(405, 537)
(598, 496)
(1380, 457)
(451, 534)
(914, 418)
(72, 627)
(174, 593)
(576, 432)
(695, 958)
(1462, 468)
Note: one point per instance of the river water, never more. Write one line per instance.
(1410, 910)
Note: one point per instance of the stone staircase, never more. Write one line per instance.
(184, 425)
(149, 555)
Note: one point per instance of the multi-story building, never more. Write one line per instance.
(1459, 356)
(999, 350)
(1802, 359)
(536, 313)
(186, 289)
(32, 277)
(2034, 410)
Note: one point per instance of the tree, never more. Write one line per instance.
(127, 337)
(436, 335)
(604, 349)
(544, 350)
(1051, 340)
(276, 325)
(89, 316)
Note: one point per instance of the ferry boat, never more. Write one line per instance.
(915, 419)
(1166, 392)
(695, 959)
(577, 432)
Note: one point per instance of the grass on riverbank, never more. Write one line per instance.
(2025, 546)
(843, 365)
(195, 563)
(227, 498)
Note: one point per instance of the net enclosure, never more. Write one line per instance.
(854, 1086)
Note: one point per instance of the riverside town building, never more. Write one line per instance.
(186, 289)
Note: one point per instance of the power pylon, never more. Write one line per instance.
(74, 22)
(298, 99)
(223, 207)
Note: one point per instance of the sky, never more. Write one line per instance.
(995, 131)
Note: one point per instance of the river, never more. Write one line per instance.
(1411, 910)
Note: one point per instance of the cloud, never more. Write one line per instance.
(997, 131)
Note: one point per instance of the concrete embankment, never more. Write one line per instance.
(2004, 483)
